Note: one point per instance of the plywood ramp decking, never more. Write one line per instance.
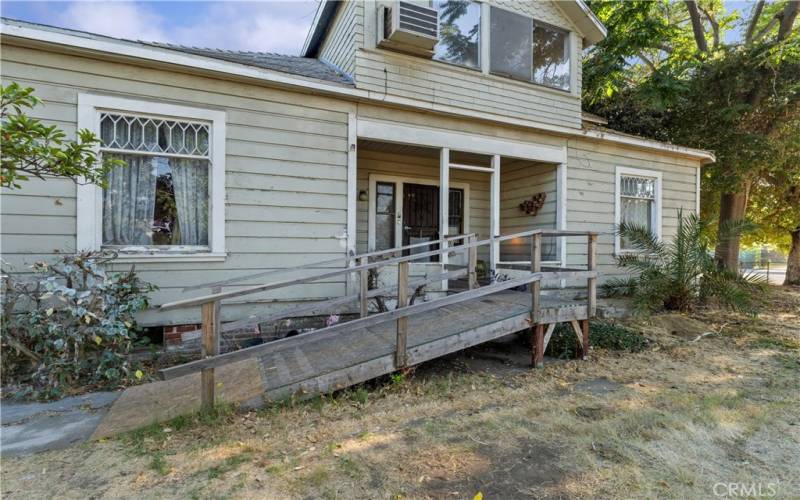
(305, 365)
(319, 366)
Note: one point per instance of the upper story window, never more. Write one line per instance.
(160, 196)
(511, 43)
(551, 56)
(521, 48)
(167, 198)
(459, 32)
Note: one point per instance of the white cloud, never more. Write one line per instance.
(279, 27)
(117, 19)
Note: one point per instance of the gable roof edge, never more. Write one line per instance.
(326, 11)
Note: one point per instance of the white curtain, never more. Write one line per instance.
(190, 182)
(129, 202)
(638, 212)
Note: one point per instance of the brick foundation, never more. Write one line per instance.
(174, 334)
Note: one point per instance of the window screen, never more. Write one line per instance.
(511, 44)
(551, 57)
(459, 32)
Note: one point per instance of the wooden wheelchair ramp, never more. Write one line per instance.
(376, 344)
(359, 354)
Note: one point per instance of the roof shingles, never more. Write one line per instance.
(308, 67)
(303, 66)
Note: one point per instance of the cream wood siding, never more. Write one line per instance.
(445, 85)
(380, 163)
(286, 176)
(344, 37)
(590, 195)
(519, 181)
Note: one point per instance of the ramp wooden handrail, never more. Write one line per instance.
(211, 304)
(315, 265)
(196, 301)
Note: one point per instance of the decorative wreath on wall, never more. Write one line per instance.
(532, 206)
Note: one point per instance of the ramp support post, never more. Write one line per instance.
(209, 348)
(402, 323)
(472, 275)
(363, 277)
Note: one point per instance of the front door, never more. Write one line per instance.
(420, 215)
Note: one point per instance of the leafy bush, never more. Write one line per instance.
(681, 274)
(33, 149)
(71, 325)
(604, 335)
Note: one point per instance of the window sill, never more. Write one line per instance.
(167, 257)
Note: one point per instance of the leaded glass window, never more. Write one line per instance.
(160, 196)
(637, 198)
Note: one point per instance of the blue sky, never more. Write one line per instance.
(270, 26)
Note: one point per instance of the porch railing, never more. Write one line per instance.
(211, 304)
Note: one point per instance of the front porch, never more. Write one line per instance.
(400, 202)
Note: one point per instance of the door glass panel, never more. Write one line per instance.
(384, 215)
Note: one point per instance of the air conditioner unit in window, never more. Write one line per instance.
(408, 27)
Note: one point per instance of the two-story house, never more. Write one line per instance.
(401, 122)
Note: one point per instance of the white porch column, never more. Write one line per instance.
(352, 196)
(444, 205)
(494, 209)
(561, 210)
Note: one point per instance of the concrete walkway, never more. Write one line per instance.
(33, 427)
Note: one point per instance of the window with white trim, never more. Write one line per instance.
(638, 202)
(159, 197)
(167, 196)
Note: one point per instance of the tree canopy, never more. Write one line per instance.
(701, 75)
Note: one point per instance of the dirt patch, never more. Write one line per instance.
(600, 386)
(528, 468)
(667, 422)
(678, 325)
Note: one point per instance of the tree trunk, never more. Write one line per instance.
(793, 262)
(732, 207)
(697, 26)
(787, 18)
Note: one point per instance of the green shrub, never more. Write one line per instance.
(71, 325)
(681, 274)
(604, 335)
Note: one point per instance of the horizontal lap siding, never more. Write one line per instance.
(345, 36)
(386, 72)
(438, 83)
(286, 176)
(520, 182)
(591, 194)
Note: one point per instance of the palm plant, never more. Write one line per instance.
(681, 274)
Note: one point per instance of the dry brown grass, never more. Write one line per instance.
(668, 422)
